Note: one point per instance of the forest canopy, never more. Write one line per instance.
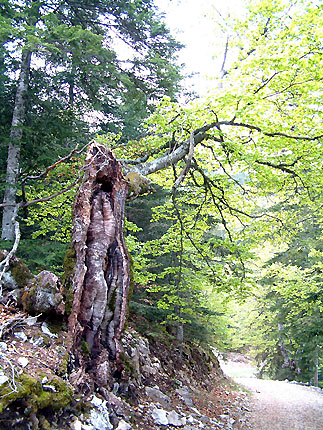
(221, 176)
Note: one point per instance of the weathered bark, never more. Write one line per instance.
(10, 212)
(100, 280)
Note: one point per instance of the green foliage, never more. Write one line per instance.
(40, 254)
(282, 322)
(79, 82)
(179, 263)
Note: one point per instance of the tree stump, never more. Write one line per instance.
(100, 278)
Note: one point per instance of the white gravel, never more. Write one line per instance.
(278, 405)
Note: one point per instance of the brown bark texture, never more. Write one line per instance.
(100, 280)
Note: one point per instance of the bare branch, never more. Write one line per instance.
(187, 165)
(267, 82)
(61, 160)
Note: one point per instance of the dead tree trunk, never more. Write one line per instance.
(100, 279)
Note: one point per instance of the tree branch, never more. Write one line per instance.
(187, 165)
(5, 263)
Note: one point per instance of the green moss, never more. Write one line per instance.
(69, 264)
(55, 400)
(44, 424)
(20, 273)
(137, 184)
(85, 347)
(62, 370)
(129, 367)
(56, 325)
(30, 390)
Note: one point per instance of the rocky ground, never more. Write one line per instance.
(165, 388)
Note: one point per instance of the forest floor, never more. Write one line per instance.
(276, 405)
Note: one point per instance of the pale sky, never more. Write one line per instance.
(195, 23)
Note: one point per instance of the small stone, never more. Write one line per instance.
(232, 421)
(45, 330)
(76, 425)
(174, 419)
(123, 426)
(38, 341)
(159, 416)
(3, 378)
(115, 388)
(49, 388)
(21, 335)
(44, 380)
(31, 320)
(3, 346)
(156, 395)
(96, 401)
(23, 361)
(100, 419)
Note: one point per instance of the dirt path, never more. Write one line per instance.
(277, 405)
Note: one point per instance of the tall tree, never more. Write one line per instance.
(77, 75)
(253, 143)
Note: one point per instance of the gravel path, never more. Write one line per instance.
(278, 405)
(284, 406)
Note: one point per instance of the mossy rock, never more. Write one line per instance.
(43, 295)
(138, 185)
(31, 391)
(20, 273)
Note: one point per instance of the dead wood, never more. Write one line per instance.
(100, 279)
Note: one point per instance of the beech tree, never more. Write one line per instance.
(254, 142)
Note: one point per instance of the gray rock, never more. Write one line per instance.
(149, 370)
(185, 395)
(3, 346)
(159, 416)
(23, 361)
(38, 341)
(174, 419)
(99, 415)
(9, 282)
(123, 426)
(76, 425)
(21, 335)
(3, 378)
(157, 396)
(96, 401)
(99, 419)
(43, 295)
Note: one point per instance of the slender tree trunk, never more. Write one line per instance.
(283, 348)
(10, 212)
(100, 279)
(316, 367)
